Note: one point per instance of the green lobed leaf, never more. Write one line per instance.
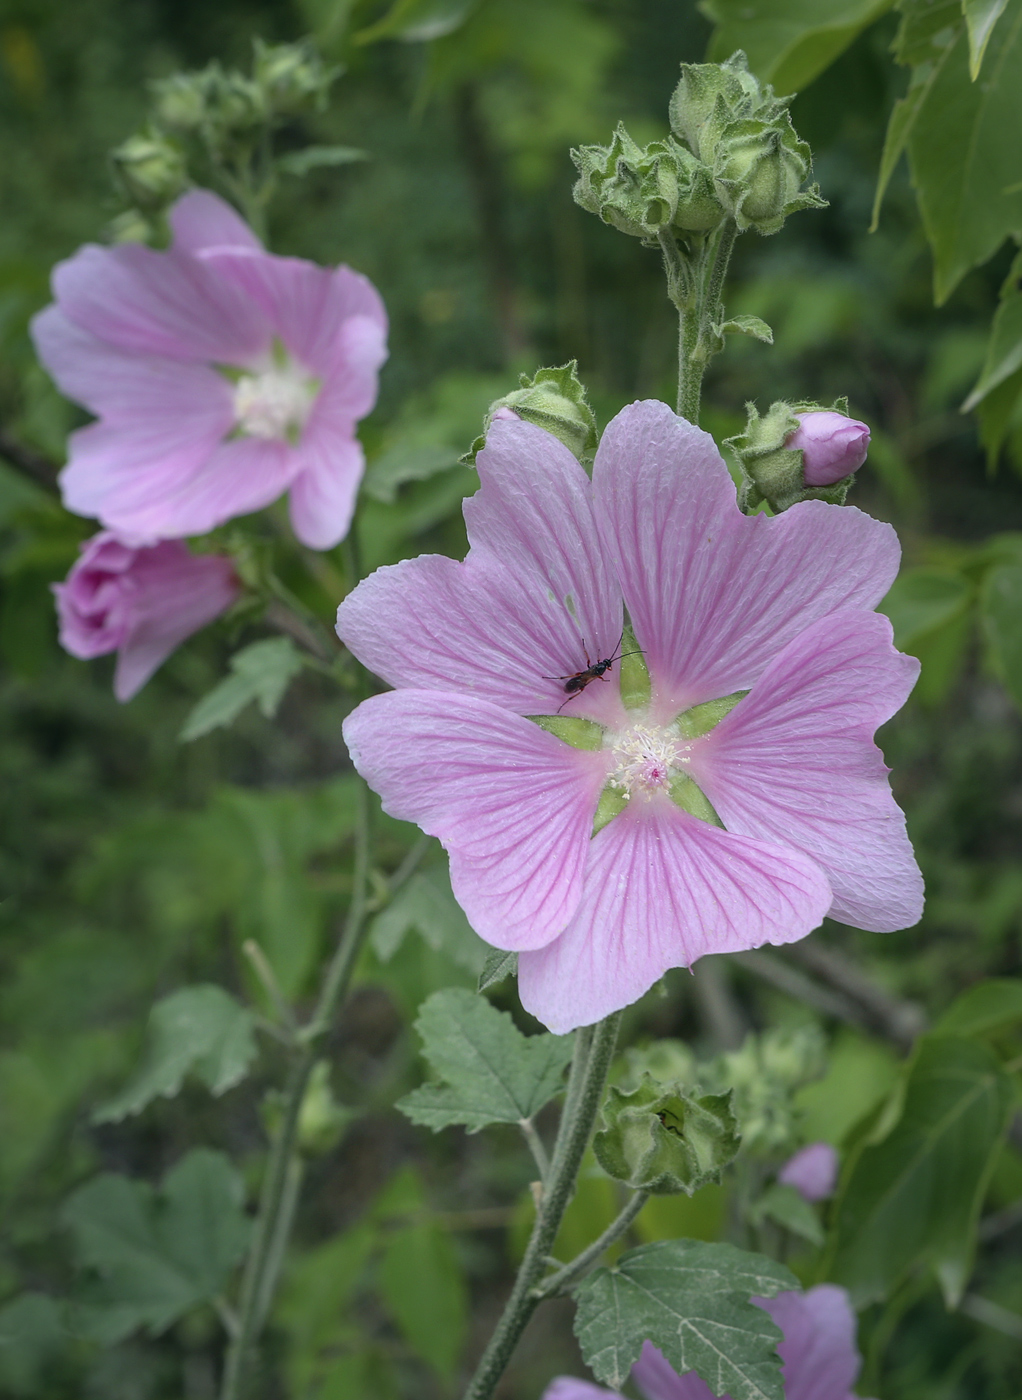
(913, 1193)
(200, 1030)
(404, 463)
(491, 1073)
(922, 600)
(963, 145)
(32, 1332)
(1004, 351)
(989, 1006)
(788, 42)
(262, 672)
(160, 1253)
(497, 966)
(980, 16)
(425, 902)
(691, 1300)
(1001, 604)
(746, 325)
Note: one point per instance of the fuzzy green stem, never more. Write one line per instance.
(695, 284)
(586, 1081)
(280, 1183)
(559, 1282)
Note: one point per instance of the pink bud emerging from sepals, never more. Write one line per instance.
(140, 602)
(832, 446)
(812, 1171)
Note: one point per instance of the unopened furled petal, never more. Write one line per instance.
(833, 446)
(140, 602)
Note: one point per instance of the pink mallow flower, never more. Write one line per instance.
(812, 1171)
(819, 1355)
(221, 377)
(141, 602)
(832, 446)
(719, 602)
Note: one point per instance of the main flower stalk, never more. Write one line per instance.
(695, 284)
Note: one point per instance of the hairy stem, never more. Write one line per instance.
(279, 1194)
(586, 1081)
(559, 1282)
(695, 283)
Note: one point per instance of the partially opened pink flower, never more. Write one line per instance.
(802, 821)
(221, 377)
(821, 1360)
(140, 602)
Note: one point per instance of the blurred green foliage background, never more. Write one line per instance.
(133, 865)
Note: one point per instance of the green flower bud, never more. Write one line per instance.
(711, 94)
(660, 1140)
(151, 169)
(641, 190)
(758, 170)
(321, 1119)
(773, 471)
(554, 399)
(181, 101)
(292, 77)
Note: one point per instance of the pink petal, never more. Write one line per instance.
(534, 513)
(148, 393)
(513, 805)
(795, 761)
(306, 305)
(238, 477)
(821, 1360)
(352, 377)
(174, 600)
(499, 625)
(322, 496)
(475, 627)
(570, 1388)
(812, 1171)
(159, 304)
(201, 219)
(661, 890)
(714, 594)
(658, 1380)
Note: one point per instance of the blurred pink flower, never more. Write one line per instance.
(812, 1171)
(140, 602)
(719, 602)
(821, 1360)
(832, 446)
(221, 377)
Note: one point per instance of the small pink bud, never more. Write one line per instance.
(140, 601)
(832, 446)
(813, 1171)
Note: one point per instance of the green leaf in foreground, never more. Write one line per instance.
(497, 966)
(1004, 352)
(1002, 620)
(491, 1073)
(985, 1009)
(157, 1254)
(980, 16)
(690, 1299)
(913, 1197)
(200, 1030)
(789, 42)
(262, 672)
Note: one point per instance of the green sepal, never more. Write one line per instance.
(771, 471)
(612, 803)
(689, 796)
(636, 687)
(554, 399)
(700, 719)
(579, 733)
(709, 95)
(660, 1140)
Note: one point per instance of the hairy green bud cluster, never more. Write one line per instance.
(554, 399)
(773, 471)
(643, 189)
(151, 168)
(732, 153)
(743, 134)
(660, 1140)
